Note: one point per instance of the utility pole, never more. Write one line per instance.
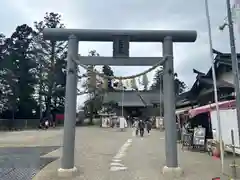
(160, 101)
(234, 63)
(160, 97)
(122, 99)
(215, 85)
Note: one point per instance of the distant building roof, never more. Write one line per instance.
(142, 98)
(151, 97)
(127, 98)
(133, 98)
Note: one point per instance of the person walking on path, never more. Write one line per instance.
(141, 126)
(136, 127)
(122, 123)
(149, 126)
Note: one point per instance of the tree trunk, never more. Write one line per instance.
(48, 102)
(12, 119)
(40, 92)
(91, 114)
(51, 77)
(55, 102)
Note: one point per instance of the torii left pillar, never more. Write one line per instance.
(70, 110)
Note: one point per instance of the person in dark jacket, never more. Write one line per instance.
(149, 126)
(141, 125)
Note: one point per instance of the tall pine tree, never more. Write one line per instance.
(51, 57)
(19, 75)
(179, 86)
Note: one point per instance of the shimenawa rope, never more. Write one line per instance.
(77, 61)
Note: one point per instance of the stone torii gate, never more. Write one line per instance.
(120, 39)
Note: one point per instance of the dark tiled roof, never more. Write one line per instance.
(222, 59)
(184, 99)
(183, 96)
(142, 98)
(133, 98)
(211, 90)
(151, 97)
(207, 84)
(220, 83)
(129, 99)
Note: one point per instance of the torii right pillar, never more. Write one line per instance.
(171, 167)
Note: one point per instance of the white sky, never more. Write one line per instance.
(132, 14)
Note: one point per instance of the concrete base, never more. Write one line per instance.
(67, 172)
(172, 172)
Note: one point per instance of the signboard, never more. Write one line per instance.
(121, 47)
(199, 136)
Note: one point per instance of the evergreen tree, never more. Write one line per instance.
(93, 103)
(107, 70)
(179, 85)
(18, 72)
(157, 80)
(51, 68)
(3, 91)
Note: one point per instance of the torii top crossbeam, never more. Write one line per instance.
(59, 34)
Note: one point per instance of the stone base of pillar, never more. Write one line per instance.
(170, 172)
(67, 172)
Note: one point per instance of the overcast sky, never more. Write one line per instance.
(132, 14)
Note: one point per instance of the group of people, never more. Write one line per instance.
(136, 122)
(140, 125)
(47, 121)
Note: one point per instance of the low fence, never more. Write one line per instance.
(18, 124)
(21, 124)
